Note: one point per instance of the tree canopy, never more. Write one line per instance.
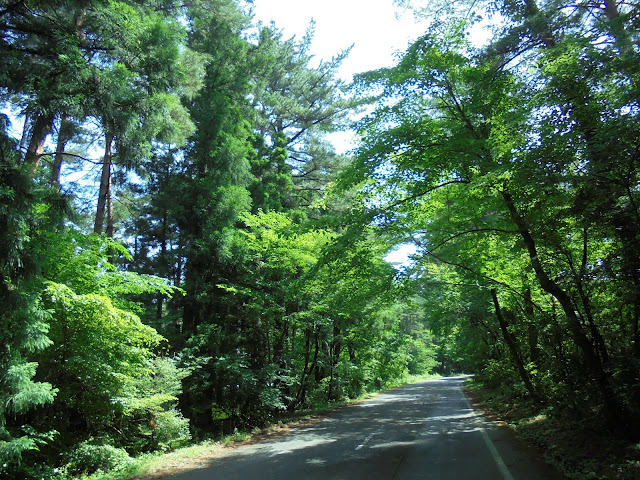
(512, 167)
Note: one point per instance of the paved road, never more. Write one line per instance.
(426, 430)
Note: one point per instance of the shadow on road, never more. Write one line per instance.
(424, 430)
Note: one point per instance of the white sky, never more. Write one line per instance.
(372, 26)
(376, 28)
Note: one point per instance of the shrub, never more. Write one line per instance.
(150, 419)
(89, 457)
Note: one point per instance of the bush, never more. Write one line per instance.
(150, 419)
(172, 430)
(89, 457)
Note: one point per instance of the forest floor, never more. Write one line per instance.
(581, 449)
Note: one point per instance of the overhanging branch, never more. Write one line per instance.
(474, 230)
(478, 274)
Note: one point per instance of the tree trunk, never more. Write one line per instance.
(532, 330)
(25, 134)
(178, 274)
(280, 333)
(618, 30)
(105, 184)
(588, 122)
(334, 357)
(636, 329)
(110, 221)
(64, 135)
(319, 374)
(513, 347)
(617, 412)
(163, 269)
(40, 132)
(300, 396)
(601, 347)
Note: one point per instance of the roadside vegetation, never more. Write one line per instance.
(582, 448)
(158, 465)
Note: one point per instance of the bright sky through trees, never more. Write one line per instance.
(376, 28)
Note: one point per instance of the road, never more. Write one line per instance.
(426, 430)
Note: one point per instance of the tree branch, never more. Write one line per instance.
(75, 155)
(475, 273)
(426, 192)
(473, 230)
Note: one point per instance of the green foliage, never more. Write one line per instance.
(91, 456)
(149, 422)
(99, 356)
(88, 268)
(215, 160)
(150, 416)
(273, 183)
(23, 326)
(310, 331)
(295, 102)
(512, 170)
(12, 450)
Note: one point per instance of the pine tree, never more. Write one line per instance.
(23, 319)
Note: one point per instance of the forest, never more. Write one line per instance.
(184, 254)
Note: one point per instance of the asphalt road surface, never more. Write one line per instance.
(426, 430)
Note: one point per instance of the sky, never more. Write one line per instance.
(371, 26)
(377, 30)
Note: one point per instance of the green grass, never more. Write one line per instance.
(158, 464)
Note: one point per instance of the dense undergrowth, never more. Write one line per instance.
(580, 447)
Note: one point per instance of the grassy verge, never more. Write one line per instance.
(582, 449)
(158, 465)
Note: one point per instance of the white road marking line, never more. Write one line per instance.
(504, 470)
(366, 440)
(370, 436)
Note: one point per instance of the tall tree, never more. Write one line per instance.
(215, 173)
(140, 84)
(296, 101)
(23, 325)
